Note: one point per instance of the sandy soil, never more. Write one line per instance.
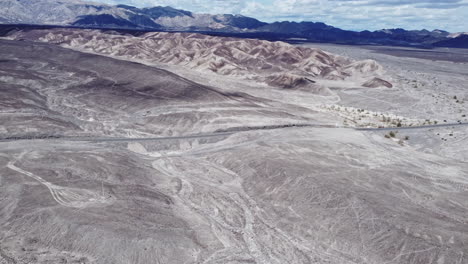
(287, 195)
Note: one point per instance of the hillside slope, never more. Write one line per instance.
(126, 167)
(460, 41)
(276, 63)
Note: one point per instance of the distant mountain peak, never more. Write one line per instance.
(89, 14)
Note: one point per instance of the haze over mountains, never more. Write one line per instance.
(84, 14)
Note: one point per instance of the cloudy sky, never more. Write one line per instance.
(451, 15)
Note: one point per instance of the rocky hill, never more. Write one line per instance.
(460, 41)
(276, 63)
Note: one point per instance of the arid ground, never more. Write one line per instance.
(113, 159)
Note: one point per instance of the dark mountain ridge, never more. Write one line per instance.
(458, 42)
(159, 18)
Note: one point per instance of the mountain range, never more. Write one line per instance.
(91, 15)
(277, 64)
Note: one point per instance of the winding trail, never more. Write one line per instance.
(217, 134)
(66, 196)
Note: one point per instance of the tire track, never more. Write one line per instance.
(65, 196)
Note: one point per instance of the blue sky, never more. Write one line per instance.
(451, 15)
